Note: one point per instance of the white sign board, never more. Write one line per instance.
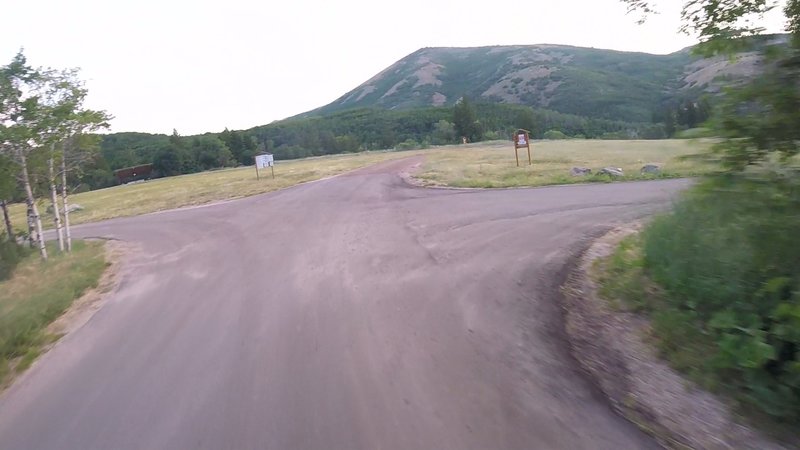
(264, 161)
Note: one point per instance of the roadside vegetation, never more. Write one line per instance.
(720, 275)
(11, 253)
(37, 293)
(489, 165)
(718, 278)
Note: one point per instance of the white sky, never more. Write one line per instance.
(202, 66)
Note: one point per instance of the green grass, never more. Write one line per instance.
(200, 188)
(492, 165)
(626, 285)
(36, 294)
(719, 278)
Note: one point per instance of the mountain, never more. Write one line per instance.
(587, 82)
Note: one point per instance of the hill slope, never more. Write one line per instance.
(583, 81)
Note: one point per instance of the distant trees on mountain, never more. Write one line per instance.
(349, 131)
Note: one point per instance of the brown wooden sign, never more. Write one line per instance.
(522, 140)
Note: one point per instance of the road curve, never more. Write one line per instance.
(357, 312)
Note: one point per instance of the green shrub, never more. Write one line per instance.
(695, 133)
(493, 136)
(408, 144)
(616, 135)
(555, 134)
(10, 255)
(729, 259)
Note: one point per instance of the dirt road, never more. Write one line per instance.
(352, 313)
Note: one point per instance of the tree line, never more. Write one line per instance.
(345, 132)
(46, 135)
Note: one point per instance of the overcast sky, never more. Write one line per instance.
(202, 66)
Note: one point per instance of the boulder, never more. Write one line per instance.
(613, 172)
(651, 168)
(580, 171)
(72, 208)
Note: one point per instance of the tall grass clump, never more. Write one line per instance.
(11, 254)
(38, 293)
(728, 258)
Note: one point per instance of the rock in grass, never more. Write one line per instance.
(580, 171)
(613, 172)
(651, 169)
(72, 208)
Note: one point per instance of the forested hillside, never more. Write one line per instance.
(582, 81)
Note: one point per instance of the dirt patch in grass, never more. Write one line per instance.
(613, 344)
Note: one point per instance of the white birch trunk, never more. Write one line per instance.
(54, 200)
(64, 199)
(37, 219)
(31, 227)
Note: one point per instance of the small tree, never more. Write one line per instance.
(465, 120)
(554, 135)
(78, 149)
(444, 133)
(23, 120)
(525, 120)
(42, 112)
(211, 152)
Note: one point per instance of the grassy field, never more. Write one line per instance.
(196, 189)
(477, 165)
(493, 165)
(36, 294)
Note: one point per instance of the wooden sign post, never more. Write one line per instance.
(522, 140)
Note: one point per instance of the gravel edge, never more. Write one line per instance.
(611, 347)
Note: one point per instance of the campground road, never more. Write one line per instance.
(356, 312)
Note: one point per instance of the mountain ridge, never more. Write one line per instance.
(608, 84)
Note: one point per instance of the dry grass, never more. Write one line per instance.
(200, 188)
(476, 165)
(493, 165)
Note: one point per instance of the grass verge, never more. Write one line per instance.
(196, 189)
(624, 282)
(38, 293)
(685, 341)
(492, 165)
